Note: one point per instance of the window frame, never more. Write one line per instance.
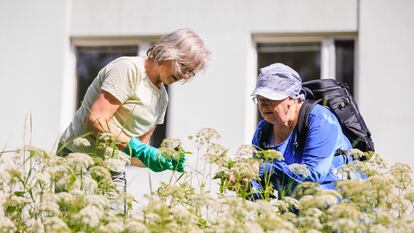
(328, 60)
(327, 41)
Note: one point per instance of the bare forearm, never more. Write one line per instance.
(101, 125)
(145, 138)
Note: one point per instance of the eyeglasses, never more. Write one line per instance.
(184, 71)
(261, 100)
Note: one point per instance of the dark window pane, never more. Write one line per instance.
(90, 60)
(344, 60)
(305, 58)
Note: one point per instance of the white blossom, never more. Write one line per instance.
(115, 165)
(40, 192)
(245, 152)
(81, 143)
(300, 169)
(205, 136)
(97, 200)
(79, 160)
(89, 215)
(171, 143)
(135, 227)
(35, 225)
(106, 138)
(6, 225)
(55, 224)
(50, 208)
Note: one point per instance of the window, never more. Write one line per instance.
(345, 61)
(313, 59)
(305, 58)
(91, 59)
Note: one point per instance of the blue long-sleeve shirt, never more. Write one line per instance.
(324, 137)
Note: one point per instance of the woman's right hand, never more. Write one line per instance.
(152, 158)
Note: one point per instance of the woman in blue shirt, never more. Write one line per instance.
(279, 97)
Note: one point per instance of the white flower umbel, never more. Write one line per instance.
(89, 185)
(79, 160)
(205, 136)
(115, 165)
(100, 174)
(300, 169)
(49, 208)
(382, 202)
(217, 154)
(55, 224)
(122, 156)
(35, 225)
(81, 143)
(245, 152)
(15, 173)
(132, 226)
(114, 226)
(106, 138)
(43, 180)
(271, 154)
(89, 216)
(171, 143)
(97, 200)
(319, 201)
(6, 225)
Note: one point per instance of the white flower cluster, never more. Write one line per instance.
(115, 165)
(205, 136)
(81, 143)
(41, 192)
(217, 154)
(47, 193)
(300, 169)
(6, 225)
(171, 143)
(79, 160)
(245, 152)
(171, 148)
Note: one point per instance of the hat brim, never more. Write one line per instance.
(269, 94)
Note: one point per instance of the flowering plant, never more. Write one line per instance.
(41, 192)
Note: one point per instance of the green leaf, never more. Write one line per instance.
(220, 175)
(19, 193)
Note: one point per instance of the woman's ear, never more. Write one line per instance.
(169, 63)
(291, 102)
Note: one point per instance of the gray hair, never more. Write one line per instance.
(183, 45)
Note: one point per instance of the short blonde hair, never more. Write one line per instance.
(184, 46)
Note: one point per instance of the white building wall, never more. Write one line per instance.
(33, 38)
(385, 81)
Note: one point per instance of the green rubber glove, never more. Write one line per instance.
(150, 156)
(180, 164)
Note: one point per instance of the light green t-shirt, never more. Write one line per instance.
(143, 104)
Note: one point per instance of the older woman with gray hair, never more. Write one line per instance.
(280, 97)
(128, 98)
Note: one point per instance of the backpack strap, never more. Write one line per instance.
(303, 122)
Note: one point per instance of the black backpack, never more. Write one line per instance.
(336, 96)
